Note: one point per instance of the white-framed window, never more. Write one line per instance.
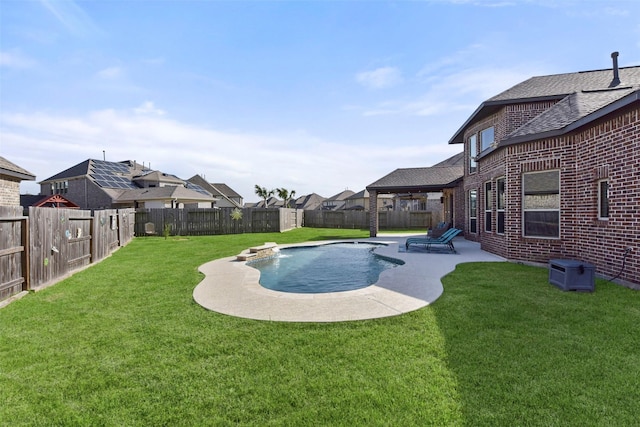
(473, 153)
(473, 211)
(541, 204)
(486, 138)
(500, 204)
(488, 206)
(603, 199)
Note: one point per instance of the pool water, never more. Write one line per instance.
(335, 267)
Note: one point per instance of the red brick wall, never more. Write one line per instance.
(608, 149)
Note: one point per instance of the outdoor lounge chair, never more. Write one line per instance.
(448, 241)
(431, 240)
(439, 229)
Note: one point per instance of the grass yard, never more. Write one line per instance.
(123, 343)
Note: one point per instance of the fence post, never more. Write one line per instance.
(26, 254)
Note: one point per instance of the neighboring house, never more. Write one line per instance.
(413, 187)
(171, 196)
(272, 202)
(100, 184)
(360, 201)
(337, 201)
(309, 202)
(226, 197)
(11, 175)
(552, 170)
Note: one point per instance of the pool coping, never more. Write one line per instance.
(232, 287)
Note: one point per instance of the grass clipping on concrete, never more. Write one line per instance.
(123, 343)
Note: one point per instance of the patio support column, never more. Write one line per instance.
(373, 213)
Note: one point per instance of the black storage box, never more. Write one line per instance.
(572, 275)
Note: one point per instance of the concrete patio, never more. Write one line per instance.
(231, 287)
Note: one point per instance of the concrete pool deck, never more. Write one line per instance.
(231, 287)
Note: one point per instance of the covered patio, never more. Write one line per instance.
(445, 177)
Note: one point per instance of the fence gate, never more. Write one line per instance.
(14, 251)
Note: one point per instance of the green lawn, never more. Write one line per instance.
(123, 343)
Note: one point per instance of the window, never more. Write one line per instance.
(473, 207)
(603, 199)
(541, 204)
(486, 138)
(500, 195)
(488, 206)
(473, 152)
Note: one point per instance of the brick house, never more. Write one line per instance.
(11, 175)
(552, 170)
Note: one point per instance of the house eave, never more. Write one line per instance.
(414, 188)
(17, 175)
(488, 108)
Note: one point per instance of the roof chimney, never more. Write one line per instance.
(616, 77)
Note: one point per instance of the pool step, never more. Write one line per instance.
(258, 252)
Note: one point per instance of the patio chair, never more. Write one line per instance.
(430, 240)
(439, 229)
(447, 242)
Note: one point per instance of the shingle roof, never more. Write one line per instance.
(569, 110)
(309, 202)
(157, 176)
(580, 95)
(565, 84)
(340, 196)
(80, 169)
(424, 179)
(11, 169)
(225, 190)
(162, 193)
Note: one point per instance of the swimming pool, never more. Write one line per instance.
(335, 267)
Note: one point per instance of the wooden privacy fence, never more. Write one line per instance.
(14, 245)
(52, 242)
(208, 221)
(360, 219)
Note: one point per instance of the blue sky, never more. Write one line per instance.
(312, 96)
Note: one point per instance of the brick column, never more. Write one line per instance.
(373, 213)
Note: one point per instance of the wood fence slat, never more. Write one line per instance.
(10, 251)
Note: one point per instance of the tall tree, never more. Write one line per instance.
(286, 195)
(264, 193)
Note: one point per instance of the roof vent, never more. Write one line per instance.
(616, 77)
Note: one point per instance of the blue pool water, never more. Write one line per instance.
(334, 267)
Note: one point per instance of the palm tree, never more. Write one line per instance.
(264, 193)
(286, 195)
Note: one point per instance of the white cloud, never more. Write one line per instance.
(148, 107)
(46, 144)
(15, 60)
(71, 16)
(380, 78)
(110, 73)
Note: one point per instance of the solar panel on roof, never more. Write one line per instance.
(196, 187)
